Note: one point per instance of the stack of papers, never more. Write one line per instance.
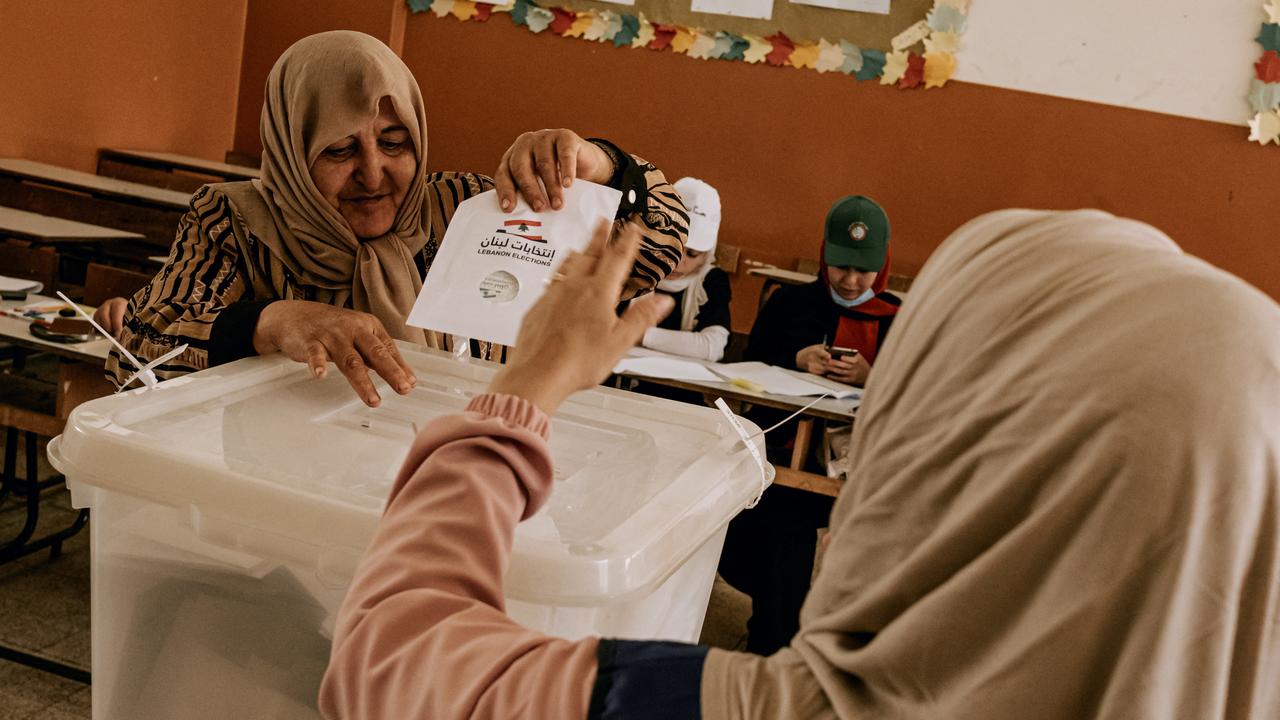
(665, 367)
(766, 378)
(780, 382)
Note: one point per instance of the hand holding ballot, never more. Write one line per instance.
(572, 337)
(557, 158)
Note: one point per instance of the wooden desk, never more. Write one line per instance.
(18, 331)
(775, 278)
(169, 170)
(80, 378)
(59, 192)
(45, 230)
(783, 277)
(825, 409)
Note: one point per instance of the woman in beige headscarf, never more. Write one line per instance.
(322, 259)
(1065, 505)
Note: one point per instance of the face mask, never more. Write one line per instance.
(835, 297)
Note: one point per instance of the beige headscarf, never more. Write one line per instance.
(1066, 495)
(322, 89)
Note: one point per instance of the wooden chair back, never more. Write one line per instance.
(19, 259)
(102, 282)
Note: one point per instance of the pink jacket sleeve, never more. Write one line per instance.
(422, 633)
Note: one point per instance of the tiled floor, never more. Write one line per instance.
(44, 610)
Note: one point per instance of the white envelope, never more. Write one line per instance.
(493, 266)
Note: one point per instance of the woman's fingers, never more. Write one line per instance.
(642, 314)
(567, 147)
(515, 174)
(582, 264)
(614, 266)
(317, 359)
(352, 365)
(545, 164)
(383, 357)
(504, 183)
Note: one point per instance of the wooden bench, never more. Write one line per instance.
(169, 170)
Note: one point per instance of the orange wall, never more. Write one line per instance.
(781, 144)
(79, 75)
(273, 25)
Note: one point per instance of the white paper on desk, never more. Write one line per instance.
(19, 284)
(758, 9)
(493, 265)
(778, 381)
(869, 6)
(668, 368)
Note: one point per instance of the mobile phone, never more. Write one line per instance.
(841, 353)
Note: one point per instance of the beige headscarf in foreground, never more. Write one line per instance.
(1066, 496)
(322, 89)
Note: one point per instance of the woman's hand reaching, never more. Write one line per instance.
(572, 338)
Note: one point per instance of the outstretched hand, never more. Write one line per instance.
(572, 338)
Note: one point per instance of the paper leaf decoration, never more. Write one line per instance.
(940, 31)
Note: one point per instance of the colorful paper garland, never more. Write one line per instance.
(903, 68)
(1264, 90)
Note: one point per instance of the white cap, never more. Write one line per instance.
(703, 203)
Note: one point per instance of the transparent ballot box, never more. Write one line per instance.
(231, 506)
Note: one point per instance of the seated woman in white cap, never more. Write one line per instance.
(699, 325)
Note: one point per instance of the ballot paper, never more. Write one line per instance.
(668, 368)
(780, 382)
(493, 265)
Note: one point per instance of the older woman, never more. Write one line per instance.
(323, 258)
(1060, 509)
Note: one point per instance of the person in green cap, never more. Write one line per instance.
(846, 308)
(832, 327)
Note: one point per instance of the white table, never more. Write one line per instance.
(96, 185)
(826, 409)
(45, 230)
(79, 379)
(18, 331)
(173, 161)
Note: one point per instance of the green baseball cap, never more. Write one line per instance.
(857, 234)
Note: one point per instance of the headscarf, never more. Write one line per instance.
(703, 203)
(854, 330)
(1065, 498)
(322, 89)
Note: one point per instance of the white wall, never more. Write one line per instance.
(1183, 57)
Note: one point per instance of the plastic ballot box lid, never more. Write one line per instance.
(266, 459)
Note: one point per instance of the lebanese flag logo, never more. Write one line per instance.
(525, 229)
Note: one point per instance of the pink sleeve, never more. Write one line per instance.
(422, 633)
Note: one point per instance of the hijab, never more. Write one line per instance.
(853, 330)
(692, 292)
(703, 203)
(1065, 495)
(322, 89)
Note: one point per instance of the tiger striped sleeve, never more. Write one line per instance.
(652, 206)
(200, 278)
(660, 216)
